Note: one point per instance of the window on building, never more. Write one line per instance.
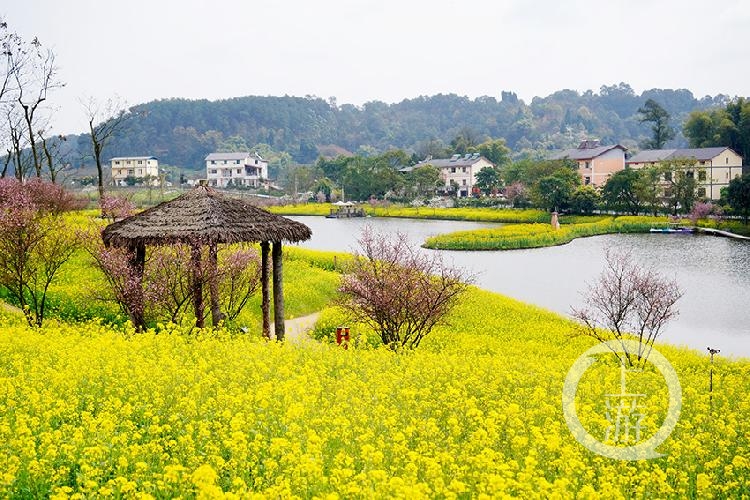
(587, 164)
(586, 180)
(213, 162)
(690, 174)
(702, 175)
(727, 160)
(140, 162)
(212, 171)
(464, 182)
(117, 163)
(239, 171)
(701, 192)
(237, 162)
(453, 170)
(463, 170)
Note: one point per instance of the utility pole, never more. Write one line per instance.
(711, 377)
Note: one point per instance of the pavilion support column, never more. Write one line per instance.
(265, 271)
(213, 263)
(278, 291)
(195, 261)
(137, 264)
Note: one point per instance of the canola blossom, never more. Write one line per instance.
(507, 215)
(96, 411)
(516, 236)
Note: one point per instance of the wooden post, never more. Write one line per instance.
(265, 305)
(138, 263)
(213, 261)
(278, 291)
(195, 260)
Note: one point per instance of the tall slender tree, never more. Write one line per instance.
(105, 121)
(661, 130)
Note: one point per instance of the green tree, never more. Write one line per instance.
(653, 113)
(620, 192)
(496, 151)
(425, 179)
(728, 127)
(466, 140)
(680, 184)
(738, 195)
(488, 180)
(648, 189)
(584, 200)
(554, 192)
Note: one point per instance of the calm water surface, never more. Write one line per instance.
(713, 272)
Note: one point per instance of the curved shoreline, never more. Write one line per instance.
(515, 219)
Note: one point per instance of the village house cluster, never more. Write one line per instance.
(712, 168)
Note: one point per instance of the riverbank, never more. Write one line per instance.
(518, 236)
(529, 228)
(500, 215)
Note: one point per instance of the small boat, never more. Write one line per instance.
(672, 230)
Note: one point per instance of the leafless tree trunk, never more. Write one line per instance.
(52, 156)
(105, 121)
(27, 75)
(35, 78)
(628, 300)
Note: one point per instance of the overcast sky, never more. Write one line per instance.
(388, 50)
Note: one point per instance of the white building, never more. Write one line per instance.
(241, 169)
(136, 167)
(459, 173)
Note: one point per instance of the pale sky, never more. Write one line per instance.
(387, 50)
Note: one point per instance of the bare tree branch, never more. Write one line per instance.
(628, 300)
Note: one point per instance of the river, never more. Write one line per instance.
(713, 272)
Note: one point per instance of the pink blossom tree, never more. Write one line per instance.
(35, 242)
(400, 291)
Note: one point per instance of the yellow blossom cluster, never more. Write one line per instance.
(90, 411)
(514, 236)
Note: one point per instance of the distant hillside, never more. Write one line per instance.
(181, 132)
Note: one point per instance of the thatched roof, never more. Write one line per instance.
(203, 215)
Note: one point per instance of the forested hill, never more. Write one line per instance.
(181, 132)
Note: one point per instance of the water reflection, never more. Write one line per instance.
(713, 272)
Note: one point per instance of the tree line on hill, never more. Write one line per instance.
(182, 132)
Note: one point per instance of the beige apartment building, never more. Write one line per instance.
(136, 167)
(712, 168)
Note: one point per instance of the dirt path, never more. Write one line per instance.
(297, 328)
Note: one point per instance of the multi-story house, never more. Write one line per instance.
(595, 163)
(459, 173)
(135, 167)
(239, 169)
(712, 168)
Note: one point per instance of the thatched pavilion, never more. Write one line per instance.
(205, 217)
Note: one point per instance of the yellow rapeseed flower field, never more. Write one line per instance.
(94, 411)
